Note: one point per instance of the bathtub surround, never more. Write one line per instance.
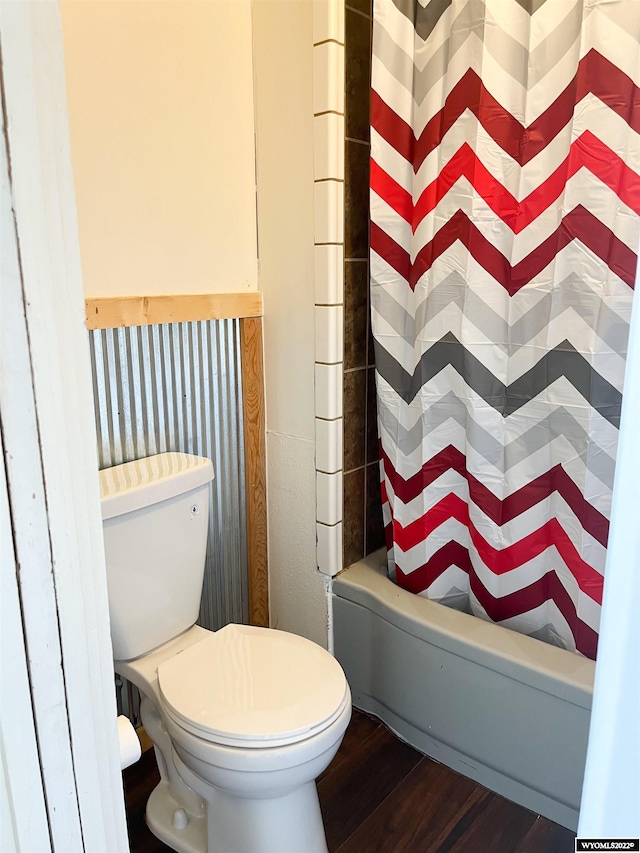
(505, 193)
(504, 710)
(346, 447)
(328, 124)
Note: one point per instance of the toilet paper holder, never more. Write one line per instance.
(130, 748)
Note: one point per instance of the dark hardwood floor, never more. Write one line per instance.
(381, 796)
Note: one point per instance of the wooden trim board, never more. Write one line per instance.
(112, 312)
(255, 468)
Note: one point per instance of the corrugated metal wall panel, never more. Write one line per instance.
(178, 386)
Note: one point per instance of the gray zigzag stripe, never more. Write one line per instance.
(559, 423)
(569, 293)
(456, 599)
(425, 18)
(548, 634)
(526, 67)
(562, 360)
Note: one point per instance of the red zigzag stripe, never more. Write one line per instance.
(508, 606)
(551, 534)
(579, 224)
(500, 511)
(595, 75)
(587, 151)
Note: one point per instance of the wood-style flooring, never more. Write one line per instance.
(381, 796)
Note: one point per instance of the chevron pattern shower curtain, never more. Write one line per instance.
(505, 211)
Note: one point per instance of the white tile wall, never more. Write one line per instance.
(328, 21)
(329, 497)
(329, 211)
(329, 333)
(329, 551)
(329, 274)
(328, 108)
(328, 78)
(329, 445)
(329, 391)
(328, 146)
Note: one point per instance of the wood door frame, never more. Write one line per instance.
(72, 797)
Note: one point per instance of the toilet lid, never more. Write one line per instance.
(250, 686)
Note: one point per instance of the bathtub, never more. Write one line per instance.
(504, 709)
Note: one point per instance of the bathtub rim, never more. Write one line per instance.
(561, 673)
(385, 635)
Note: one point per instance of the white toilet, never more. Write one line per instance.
(243, 719)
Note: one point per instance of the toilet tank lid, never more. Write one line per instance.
(134, 485)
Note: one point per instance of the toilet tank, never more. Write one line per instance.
(155, 514)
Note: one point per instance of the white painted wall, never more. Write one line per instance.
(166, 203)
(283, 67)
(161, 114)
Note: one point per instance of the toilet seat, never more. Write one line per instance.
(249, 687)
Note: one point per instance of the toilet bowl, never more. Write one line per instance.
(243, 719)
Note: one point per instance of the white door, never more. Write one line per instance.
(61, 782)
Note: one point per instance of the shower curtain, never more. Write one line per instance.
(505, 211)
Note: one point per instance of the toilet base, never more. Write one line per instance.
(291, 823)
(288, 823)
(161, 808)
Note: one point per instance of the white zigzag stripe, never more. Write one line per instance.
(557, 450)
(587, 609)
(508, 533)
(591, 115)
(453, 318)
(524, 105)
(501, 485)
(528, 30)
(498, 585)
(589, 466)
(596, 277)
(591, 551)
(546, 618)
(508, 330)
(526, 65)
(396, 25)
(451, 589)
(502, 34)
